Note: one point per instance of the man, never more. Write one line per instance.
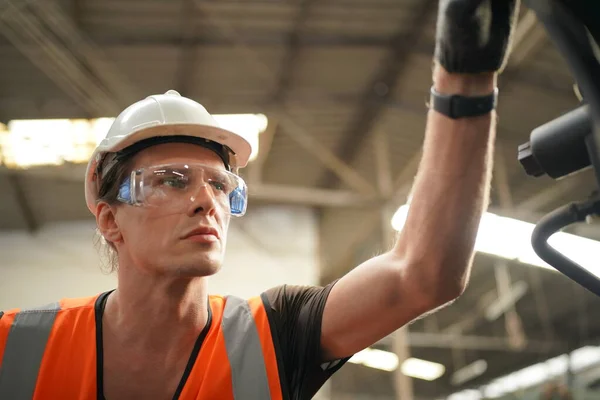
(163, 186)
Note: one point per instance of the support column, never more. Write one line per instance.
(400, 345)
(504, 284)
(400, 342)
(402, 383)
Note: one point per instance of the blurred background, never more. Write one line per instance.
(334, 94)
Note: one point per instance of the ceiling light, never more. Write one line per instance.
(511, 239)
(388, 361)
(467, 394)
(468, 372)
(28, 143)
(422, 369)
(374, 358)
(577, 362)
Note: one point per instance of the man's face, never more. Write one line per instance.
(161, 242)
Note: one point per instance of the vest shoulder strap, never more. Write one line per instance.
(244, 351)
(24, 349)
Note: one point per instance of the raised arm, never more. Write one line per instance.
(429, 264)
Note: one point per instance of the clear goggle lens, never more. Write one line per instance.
(175, 187)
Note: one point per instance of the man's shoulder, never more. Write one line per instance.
(275, 299)
(67, 304)
(295, 294)
(78, 303)
(64, 314)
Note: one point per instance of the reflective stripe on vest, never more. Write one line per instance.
(30, 330)
(24, 350)
(244, 351)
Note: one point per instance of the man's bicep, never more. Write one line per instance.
(297, 312)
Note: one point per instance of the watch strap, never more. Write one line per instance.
(458, 106)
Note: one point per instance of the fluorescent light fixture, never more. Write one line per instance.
(28, 143)
(374, 358)
(578, 361)
(469, 372)
(388, 361)
(584, 357)
(468, 394)
(422, 369)
(511, 239)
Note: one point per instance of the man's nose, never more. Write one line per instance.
(202, 200)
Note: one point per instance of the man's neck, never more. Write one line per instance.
(150, 312)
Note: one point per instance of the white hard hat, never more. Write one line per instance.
(147, 118)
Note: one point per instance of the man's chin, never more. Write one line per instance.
(198, 269)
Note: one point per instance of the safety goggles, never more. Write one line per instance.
(174, 187)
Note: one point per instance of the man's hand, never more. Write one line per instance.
(474, 36)
(429, 265)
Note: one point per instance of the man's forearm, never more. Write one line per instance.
(450, 192)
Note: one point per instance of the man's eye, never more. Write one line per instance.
(174, 182)
(219, 185)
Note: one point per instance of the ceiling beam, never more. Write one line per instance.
(248, 54)
(187, 61)
(270, 6)
(311, 144)
(332, 40)
(473, 342)
(282, 87)
(31, 37)
(287, 194)
(77, 13)
(52, 42)
(92, 57)
(381, 86)
(290, 58)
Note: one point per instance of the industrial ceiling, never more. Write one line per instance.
(344, 84)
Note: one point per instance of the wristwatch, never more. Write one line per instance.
(457, 106)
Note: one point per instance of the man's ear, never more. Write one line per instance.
(107, 223)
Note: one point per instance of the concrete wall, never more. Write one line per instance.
(267, 247)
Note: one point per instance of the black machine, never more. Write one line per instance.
(571, 142)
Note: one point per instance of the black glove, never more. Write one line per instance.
(474, 35)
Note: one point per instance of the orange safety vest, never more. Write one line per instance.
(49, 353)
